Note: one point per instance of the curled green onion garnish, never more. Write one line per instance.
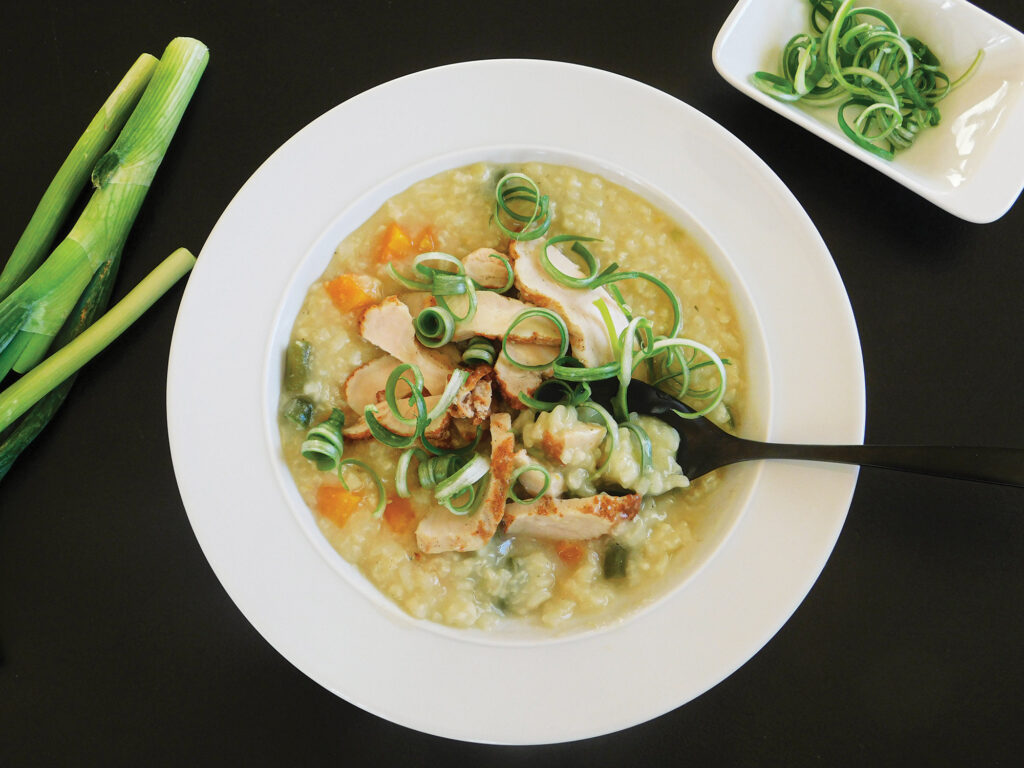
(324, 444)
(435, 327)
(479, 350)
(382, 498)
(472, 494)
(571, 369)
(433, 469)
(440, 283)
(718, 393)
(402, 470)
(518, 201)
(471, 303)
(587, 412)
(462, 478)
(673, 300)
(862, 59)
(606, 315)
(451, 391)
(510, 275)
(592, 271)
(522, 470)
(644, 441)
(563, 332)
(383, 434)
(415, 386)
(573, 393)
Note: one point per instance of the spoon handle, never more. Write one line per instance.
(1003, 466)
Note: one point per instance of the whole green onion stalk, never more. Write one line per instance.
(33, 313)
(35, 384)
(37, 240)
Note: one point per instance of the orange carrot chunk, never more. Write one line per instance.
(399, 515)
(425, 241)
(351, 292)
(570, 552)
(395, 245)
(336, 504)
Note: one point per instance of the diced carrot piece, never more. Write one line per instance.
(570, 552)
(399, 515)
(336, 504)
(425, 241)
(396, 244)
(350, 292)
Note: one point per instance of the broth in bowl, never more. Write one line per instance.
(431, 457)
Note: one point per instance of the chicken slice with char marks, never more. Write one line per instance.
(389, 326)
(588, 333)
(493, 317)
(577, 519)
(369, 379)
(441, 531)
(485, 268)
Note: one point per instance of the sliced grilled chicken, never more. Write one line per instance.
(513, 380)
(438, 431)
(494, 314)
(389, 326)
(441, 531)
(483, 266)
(588, 333)
(363, 384)
(586, 518)
(533, 482)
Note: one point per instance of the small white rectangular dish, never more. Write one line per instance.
(970, 164)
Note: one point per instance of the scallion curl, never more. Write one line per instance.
(462, 478)
(402, 470)
(522, 470)
(374, 477)
(434, 326)
(517, 190)
(563, 332)
(479, 351)
(324, 443)
(862, 59)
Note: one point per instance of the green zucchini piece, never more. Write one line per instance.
(297, 362)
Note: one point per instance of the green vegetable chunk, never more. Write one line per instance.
(299, 411)
(616, 558)
(297, 361)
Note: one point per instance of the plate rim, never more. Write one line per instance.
(213, 538)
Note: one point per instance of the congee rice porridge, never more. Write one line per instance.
(435, 413)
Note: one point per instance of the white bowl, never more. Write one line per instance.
(319, 612)
(970, 164)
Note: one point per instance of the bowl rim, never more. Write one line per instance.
(420, 680)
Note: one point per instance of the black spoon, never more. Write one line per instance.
(704, 447)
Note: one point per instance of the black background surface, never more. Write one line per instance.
(119, 646)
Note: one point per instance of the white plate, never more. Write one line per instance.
(970, 164)
(240, 300)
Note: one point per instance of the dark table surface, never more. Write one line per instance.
(119, 646)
